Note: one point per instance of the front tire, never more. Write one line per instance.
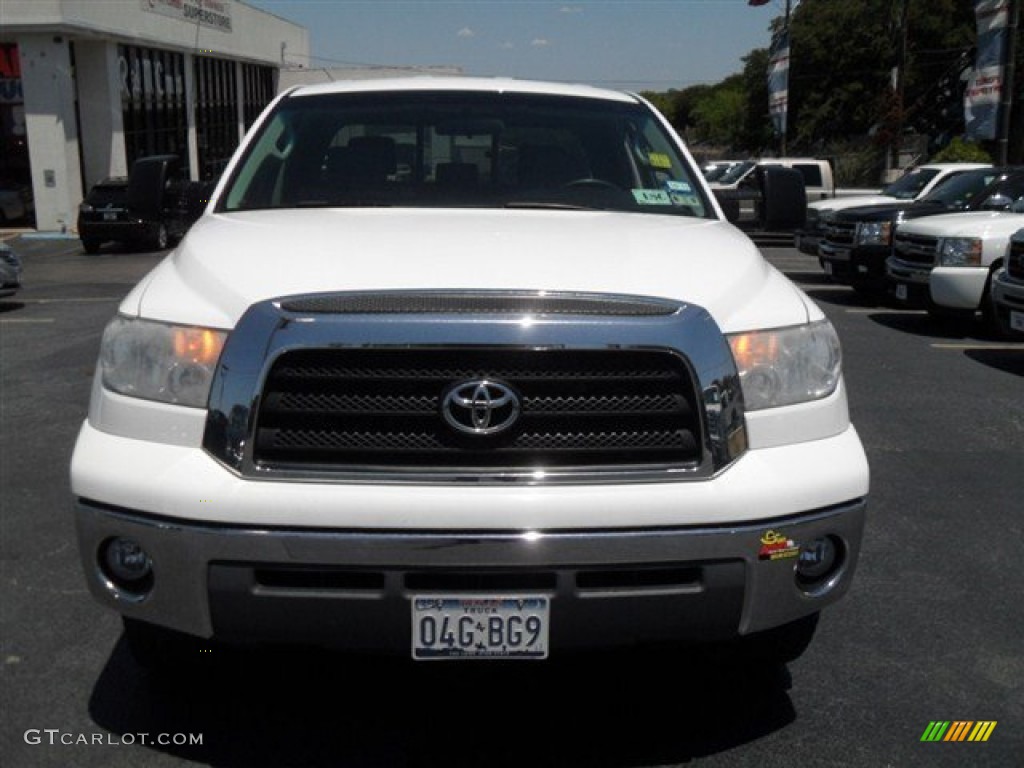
(160, 239)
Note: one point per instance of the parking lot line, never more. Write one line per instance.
(71, 300)
(1009, 346)
(24, 320)
(886, 310)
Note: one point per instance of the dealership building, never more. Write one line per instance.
(88, 86)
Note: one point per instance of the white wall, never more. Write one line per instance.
(53, 135)
(99, 107)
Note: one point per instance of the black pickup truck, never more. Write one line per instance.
(151, 207)
(857, 241)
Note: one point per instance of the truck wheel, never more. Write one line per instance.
(159, 650)
(160, 237)
(781, 644)
(91, 246)
(988, 309)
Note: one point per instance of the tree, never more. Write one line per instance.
(718, 118)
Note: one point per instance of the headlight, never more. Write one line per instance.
(960, 252)
(874, 232)
(85, 208)
(156, 361)
(787, 365)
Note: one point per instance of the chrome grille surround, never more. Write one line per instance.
(918, 250)
(678, 337)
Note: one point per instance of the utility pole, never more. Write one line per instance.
(901, 65)
(1006, 93)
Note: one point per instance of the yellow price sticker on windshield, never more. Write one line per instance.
(659, 160)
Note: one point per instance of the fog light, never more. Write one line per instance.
(819, 561)
(127, 565)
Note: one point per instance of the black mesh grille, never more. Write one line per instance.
(350, 409)
(461, 303)
(1015, 260)
(839, 232)
(915, 249)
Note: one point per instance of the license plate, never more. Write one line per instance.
(901, 291)
(109, 216)
(827, 266)
(480, 627)
(1017, 321)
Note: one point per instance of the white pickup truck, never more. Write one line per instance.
(913, 185)
(1008, 290)
(467, 368)
(947, 263)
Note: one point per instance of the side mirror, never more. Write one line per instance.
(784, 198)
(729, 204)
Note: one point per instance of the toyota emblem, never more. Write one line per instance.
(480, 407)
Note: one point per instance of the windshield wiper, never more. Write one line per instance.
(341, 204)
(536, 205)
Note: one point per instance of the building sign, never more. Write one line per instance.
(10, 75)
(215, 14)
(147, 74)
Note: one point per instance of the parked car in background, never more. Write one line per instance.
(856, 242)
(1008, 290)
(10, 271)
(154, 206)
(946, 264)
(913, 185)
(714, 170)
(16, 202)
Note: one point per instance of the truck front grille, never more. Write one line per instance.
(915, 249)
(839, 232)
(384, 409)
(1015, 260)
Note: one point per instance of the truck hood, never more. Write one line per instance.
(841, 203)
(983, 224)
(229, 261)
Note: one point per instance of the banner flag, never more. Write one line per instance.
(778, 81)
(985, 85)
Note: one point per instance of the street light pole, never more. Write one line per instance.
(1006, 92)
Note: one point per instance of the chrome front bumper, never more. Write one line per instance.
(352, 589)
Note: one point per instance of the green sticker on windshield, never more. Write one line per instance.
(659, 160)
(651, 197)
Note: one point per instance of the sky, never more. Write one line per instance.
(650, 45)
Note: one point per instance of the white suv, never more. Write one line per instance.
(462, 368)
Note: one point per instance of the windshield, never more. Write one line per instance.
(715, 172)
(464, 149)
(735, 173)
(909, 186)
(955, 191)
